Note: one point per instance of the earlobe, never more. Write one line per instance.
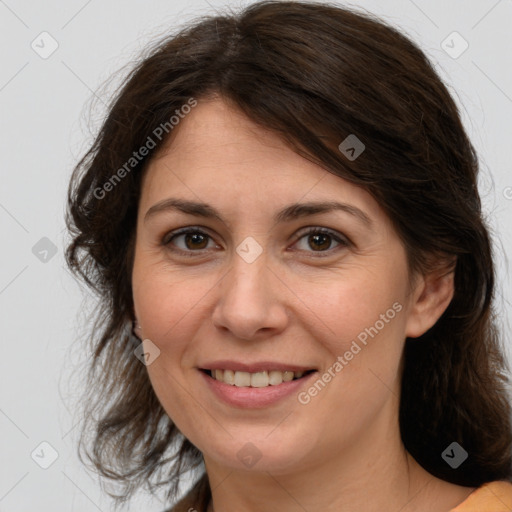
(431, 297)
(136, 328)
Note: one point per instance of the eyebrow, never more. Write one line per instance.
(287, 214)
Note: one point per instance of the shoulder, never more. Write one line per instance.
(196, 500)
(490, 497)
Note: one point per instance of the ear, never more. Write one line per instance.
(431, 296)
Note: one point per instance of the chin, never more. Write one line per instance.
(274, 453)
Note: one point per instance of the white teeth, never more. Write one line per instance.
(242, 379)
(255, 380)
(275, 378)
(229, 377)
(259, 379)
(287, 376)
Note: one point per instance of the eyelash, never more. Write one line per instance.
(166, 241)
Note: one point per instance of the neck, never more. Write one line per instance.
(374, 474)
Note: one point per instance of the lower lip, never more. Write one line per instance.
(248, 397)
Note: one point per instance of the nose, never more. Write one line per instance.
(250, 301)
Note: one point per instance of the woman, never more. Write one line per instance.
(281, 218)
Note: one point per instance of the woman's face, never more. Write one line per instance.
(251, 289)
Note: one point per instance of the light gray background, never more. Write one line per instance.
(45, 128)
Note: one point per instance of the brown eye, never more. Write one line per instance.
(195, 240)
(192, 240)
(321, 240)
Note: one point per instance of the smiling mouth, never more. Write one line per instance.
(257, 379)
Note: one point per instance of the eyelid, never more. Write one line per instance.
(183, 231)
(327, 231)
(166, 239)
(340, 238)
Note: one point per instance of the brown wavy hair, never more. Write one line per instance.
(313, 73)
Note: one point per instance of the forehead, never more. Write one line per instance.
(215, 132)
(218, 155)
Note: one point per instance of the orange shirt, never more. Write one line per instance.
(491, 497)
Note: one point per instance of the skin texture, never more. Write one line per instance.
(299, 302)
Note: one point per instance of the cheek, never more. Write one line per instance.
(363, 318)
(360, 305)
(366, 322)
(158, 295)
(170, 306)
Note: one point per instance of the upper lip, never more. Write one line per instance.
(254, 367)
